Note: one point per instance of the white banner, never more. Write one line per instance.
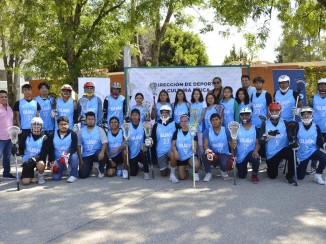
(102, 86)
(186, 78)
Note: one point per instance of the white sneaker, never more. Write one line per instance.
(40, 179)
(196, 177)
(224, 174)
(173, 178)
(71, 179)
(100, 175)
(125, 174)
(147, 176)
(208, 177)
(319, 180)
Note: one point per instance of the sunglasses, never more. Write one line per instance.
(216, 82)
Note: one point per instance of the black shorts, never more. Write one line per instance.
(117, 159)
(27, 172)
(183, 163)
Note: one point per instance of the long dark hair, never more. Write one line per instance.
(209, 94)
(159, 95)
(245, 93)
(201, 97)
(230, 88)
(176, 97)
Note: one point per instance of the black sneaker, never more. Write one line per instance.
(9, 177)
(291, 181)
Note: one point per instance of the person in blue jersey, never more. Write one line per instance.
(231, 107)
(310, 140)
(33, 150)
(245, 82)
(26, 109)
(217, 140)
(180, 106)
(242, 98)
(247, 147)
(211, 109)
(62, 151)
(273, 134)
(163, 99)
(197, 102)
(182, 149)
(287, 98)
(217, 90)
(92, 144)
(260, 101)
(115, 147)
(136, 146)
(162, 134)
(115, 104)
(66, 106)
(46, 103)
(94, 104)
(144, 115)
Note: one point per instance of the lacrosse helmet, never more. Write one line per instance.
(89, 89)
(309, 110)
(165, 108)
(274, 110)
(321, 90)
(115, 85)
(36, 125)
(245, 111)
(284, 78)
(322, 80)
(66, 90)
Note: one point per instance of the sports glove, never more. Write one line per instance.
(63, 160)
(294, 145)
(149, 142)
(295, 111)
(127, 118)
(211, 156)
(54, 167)
(83, 120)
(75, 128)
(54, 113)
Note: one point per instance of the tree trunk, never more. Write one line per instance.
(11, 81)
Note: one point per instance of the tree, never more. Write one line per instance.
(235, 57)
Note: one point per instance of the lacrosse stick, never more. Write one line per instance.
(13, 133)
(193, 130)
(234, 127)
(194, 115)
(262, 117)
(52, 98)
(301, 86)
(146, 105)
(126, 128)
(219, 109)
(130, 88)
(153, 87)
(84, 107)
(147, 126)
(292, 130)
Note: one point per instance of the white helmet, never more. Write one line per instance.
(116, 85)
(322, 80)
(36, 121)
(306, 109)
(284, 78)
(165, 108)
(245, 111)
(64, 89)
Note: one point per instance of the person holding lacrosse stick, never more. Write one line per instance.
(211, 108)
(62, 150)
(231, 107)
(216, 146)
(142, 106)
(163, 100)
(92, 144)
(32, 146)
(180, 106)
(184, 146)
(47, 103)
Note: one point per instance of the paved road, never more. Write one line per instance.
(113, 210)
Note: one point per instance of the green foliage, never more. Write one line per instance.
(312, 75)
(236, 57)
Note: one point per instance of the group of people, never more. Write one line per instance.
(66, 135)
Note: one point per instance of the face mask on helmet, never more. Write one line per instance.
(66, 93)
(274, 110)
(89, 91)
(306, 115)
(245, 117)
(36, 125)
(282, 79)
(165, 116)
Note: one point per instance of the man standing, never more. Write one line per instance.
(92, 144)
(245, 82)
(217, 90)
(6, 121)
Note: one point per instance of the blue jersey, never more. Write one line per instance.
(319, 106)
(142, 112)
(45, 113)
(61, 145)
(158, 107)
(288, 103)
(184, 145)
(307, 140)
(208, 113)
(164, 135)
(136, 139)
(91, 141)
(246, 142)
(92, 107)
(66, 109)
(33, 148)
(259, 107)
(115, 142)
(219, 143)
(179, 110)
(198, 106)
(115, 108)
(276, 144)
(228, 111)
(27, 111)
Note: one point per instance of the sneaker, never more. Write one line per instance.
(71, 179)
(254, 179)
(196, 177)
(319, 180)
(147, 176)
(208, 177)
(224, 174)
(40, 179)
(9, 177)
(291, 181)
(173, 178)
(100, 175)
(125, 174)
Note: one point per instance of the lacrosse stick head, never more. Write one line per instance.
(233, 127)
(192, 129)
(84, 104)
(153, 87)
(126, 128)
(52, 97)
(146, 105)
(147, 126)
(219, 108)
(292, 128)
(130, 88)
(194, 115)
(13, 132)
(301, 86)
